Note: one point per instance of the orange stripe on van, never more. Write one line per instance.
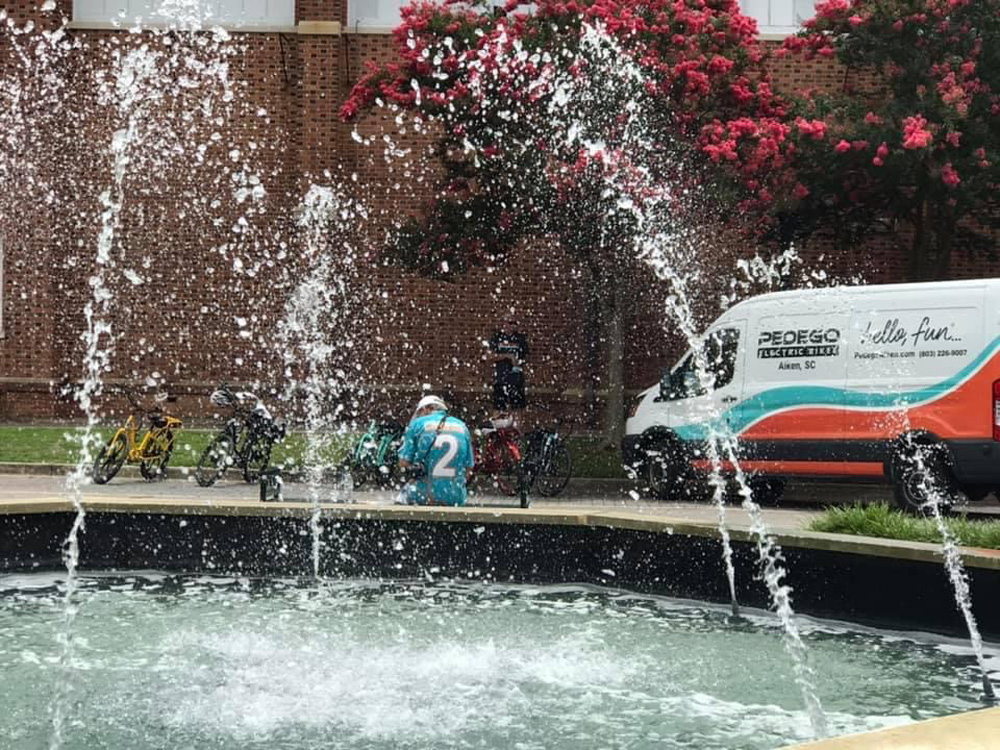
(808, 423)
(802, 468)
(966, 412)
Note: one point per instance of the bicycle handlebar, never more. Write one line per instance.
(135, 401)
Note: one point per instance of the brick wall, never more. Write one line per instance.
(211, 297)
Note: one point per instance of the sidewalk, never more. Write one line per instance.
(21, 488)
(801, 502)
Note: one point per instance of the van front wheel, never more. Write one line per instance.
(665, 470)
(921, 474)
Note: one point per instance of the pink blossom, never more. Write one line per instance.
(897, 26)
(842, 147)
(855, 21)
(882, 151)
(877, 161)
(873, 119)
(815, 129)
(914, 134)
(720, 65)
(800, 191)
(953, 138)
(832, 8)
(949, 176)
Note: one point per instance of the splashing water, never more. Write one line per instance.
(663, 249)
(320, 306)
(236, 664)
(135, 92)
(769, 553)
(936, 496)
(134, 75)
(596, 115)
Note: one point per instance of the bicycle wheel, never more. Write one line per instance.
(555, 472)
(362, 461)
(153, 466)
(387, 476)
(507, 461)
(359, 475)
(348, 471)
(257, 459)
(216, 458)
(110, 460)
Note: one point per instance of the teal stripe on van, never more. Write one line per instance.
(744, 414)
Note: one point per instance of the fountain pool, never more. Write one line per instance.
(218, 662)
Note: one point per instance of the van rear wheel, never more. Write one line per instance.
(921, 474)
(977, 493)
(766, 490)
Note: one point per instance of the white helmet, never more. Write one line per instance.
(434, 401)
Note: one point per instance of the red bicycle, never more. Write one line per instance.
(498, 453)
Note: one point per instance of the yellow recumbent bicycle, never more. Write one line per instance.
(152, 452)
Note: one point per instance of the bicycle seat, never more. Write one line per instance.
(157, 421)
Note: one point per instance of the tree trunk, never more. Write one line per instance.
(944, 236)
(606, 332)
(917, 266)
(614, 408)
(593, 324)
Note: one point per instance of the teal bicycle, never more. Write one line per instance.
(375, 455)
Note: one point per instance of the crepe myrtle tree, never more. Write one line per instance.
(574, 120)
(916, 149)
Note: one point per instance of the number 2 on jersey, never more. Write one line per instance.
(443, 467)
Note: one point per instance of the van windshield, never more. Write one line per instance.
(721, 348)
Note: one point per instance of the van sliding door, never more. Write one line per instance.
(791, 420)
(915, 367)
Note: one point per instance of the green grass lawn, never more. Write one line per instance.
(56, 445)
(880, 520)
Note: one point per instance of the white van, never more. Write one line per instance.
(836, 383)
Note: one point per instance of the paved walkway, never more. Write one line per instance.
(798, 509)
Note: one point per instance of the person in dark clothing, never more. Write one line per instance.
(508, 373)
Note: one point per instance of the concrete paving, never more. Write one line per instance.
(801, 504)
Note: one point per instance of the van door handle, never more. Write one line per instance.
(728, 399)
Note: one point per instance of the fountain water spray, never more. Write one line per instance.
(33, 98)
(314, 329)
(936, 495)
(661, 242)
(133, 77)
(596, 116)
(135, 92)
(721, 448)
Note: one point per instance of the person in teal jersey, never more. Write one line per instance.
(437, 453)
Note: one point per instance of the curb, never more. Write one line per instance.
(578, 486)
